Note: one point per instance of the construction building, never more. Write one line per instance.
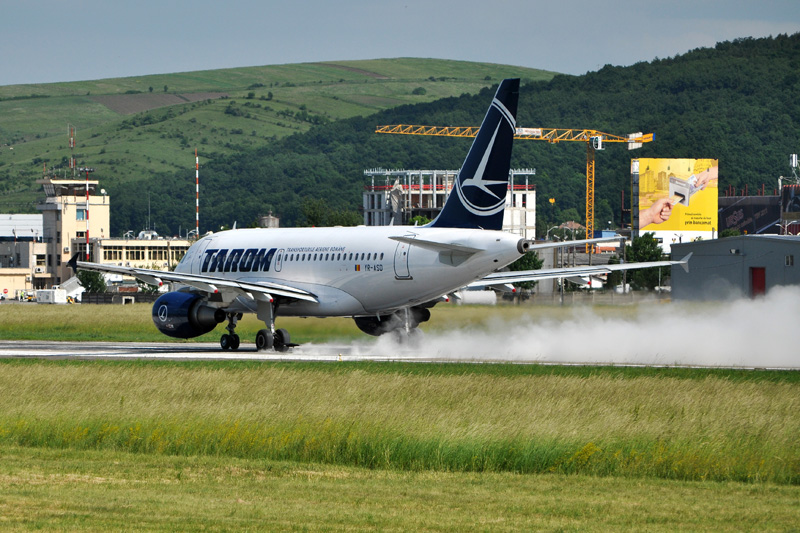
(397, 196)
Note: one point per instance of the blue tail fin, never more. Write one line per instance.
(479, 194)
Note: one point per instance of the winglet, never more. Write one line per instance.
(685, 262)
(73, 263)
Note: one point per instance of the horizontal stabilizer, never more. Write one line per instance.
(437, 246)
(561, 244)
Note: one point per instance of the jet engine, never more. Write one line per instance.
(185, 315)
(381, 324)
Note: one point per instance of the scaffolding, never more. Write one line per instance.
(395, 197)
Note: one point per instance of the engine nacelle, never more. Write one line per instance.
(184, 315)
(379, 325)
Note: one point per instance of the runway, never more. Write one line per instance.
(191, 351)
(371, 350)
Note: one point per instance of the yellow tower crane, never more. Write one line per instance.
(594, 141)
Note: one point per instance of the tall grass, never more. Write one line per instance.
(712, 428)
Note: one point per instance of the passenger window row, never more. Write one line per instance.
(363, 256)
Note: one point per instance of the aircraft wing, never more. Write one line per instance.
(561, 244)
(208, 284)
(501, 278)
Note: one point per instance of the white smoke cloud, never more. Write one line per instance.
(740, 333)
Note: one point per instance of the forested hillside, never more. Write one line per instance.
(739, 102)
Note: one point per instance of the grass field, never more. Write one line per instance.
(47, 489)
(223, 445)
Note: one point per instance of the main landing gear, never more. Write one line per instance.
(279, 341)
(266, 339)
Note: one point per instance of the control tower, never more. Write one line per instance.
(65, 211)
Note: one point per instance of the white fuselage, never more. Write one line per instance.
(353, 270)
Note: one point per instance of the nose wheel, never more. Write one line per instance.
(230, 340)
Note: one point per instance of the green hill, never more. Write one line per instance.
(130, 129)
(306, 148)
(738, 102)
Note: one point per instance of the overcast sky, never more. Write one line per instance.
(56, 40)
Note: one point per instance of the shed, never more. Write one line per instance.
(733, 267)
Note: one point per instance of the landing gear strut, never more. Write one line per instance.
(230, 340)
(271, 338)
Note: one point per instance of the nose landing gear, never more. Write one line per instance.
(230, 340)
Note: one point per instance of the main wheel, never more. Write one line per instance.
(282, 339)
(234, 341)
(226, 342)
(264, 340)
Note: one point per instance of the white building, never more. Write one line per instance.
(397, 196)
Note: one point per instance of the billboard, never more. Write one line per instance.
(750, 214)
(677, 199)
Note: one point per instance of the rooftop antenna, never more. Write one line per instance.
(71, 134)
(793, 164)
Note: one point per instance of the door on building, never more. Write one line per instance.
(758, 281)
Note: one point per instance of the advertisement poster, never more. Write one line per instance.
(677, 198)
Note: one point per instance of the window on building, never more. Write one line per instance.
(80, 214)
(789, 260)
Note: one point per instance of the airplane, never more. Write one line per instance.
(387, 278)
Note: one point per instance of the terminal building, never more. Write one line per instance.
(398, 196)
(35, 249)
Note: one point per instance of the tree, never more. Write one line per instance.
(614, 277)
(318, 213)
(91, 281)
(645, 248)
(529, 261)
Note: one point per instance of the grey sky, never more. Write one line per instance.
(57, 40)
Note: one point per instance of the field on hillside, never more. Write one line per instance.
(153, 123)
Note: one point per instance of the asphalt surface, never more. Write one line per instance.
(356, 351)
(187, 351)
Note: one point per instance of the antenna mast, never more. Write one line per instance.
(71, 134)
(196, 194)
